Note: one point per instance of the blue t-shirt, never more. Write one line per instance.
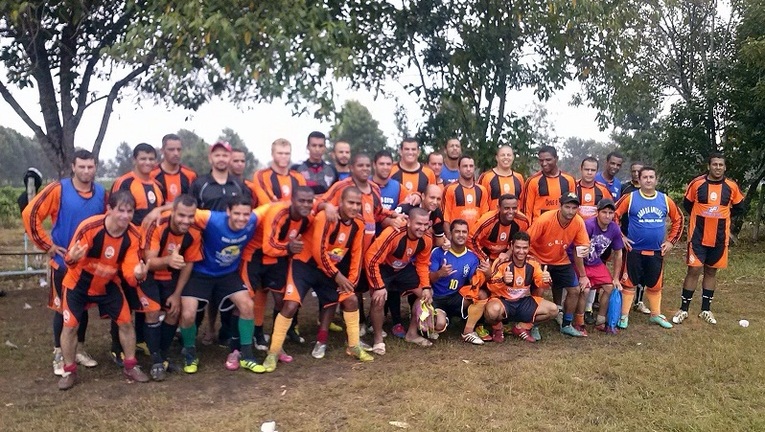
(615, 187)
(222, 247)
(464, 266)
(390, 194)
(449, 176)
(647, 224)
(343, 175)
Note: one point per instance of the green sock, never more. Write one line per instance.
(246, 329)
(189, 335)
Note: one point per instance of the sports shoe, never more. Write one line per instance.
(365, 346)
(472, 338)
(680, 316)
(269, 364)
(232, 360)
(708, 317)
(399, 331)
(142, 348)
(362, 330)
(624, 321)
(359, 354)
(483, 333)
(582, 330)
(190, 364)
(259, 340)
(660, 320)
(559, 318)
(293, 335)
(335, 327)
(158, 372)
(535, 333)
(252, 365)
(589, 318)
(170, 367)
(497, 335)
(58, 362)
(569, 330)
(642, 308)
(118, 358)
(135, 374)
(523, 334)
(67, 380)
(319, 350)
(85, 359)
(285, 358)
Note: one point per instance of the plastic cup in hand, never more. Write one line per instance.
(582, 251)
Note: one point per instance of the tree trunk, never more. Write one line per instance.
(738, 222)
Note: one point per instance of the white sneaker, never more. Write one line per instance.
(559, 318)
(472, 338)
(362, 330)
(319, 350)
(58, 362)
(680, 316)
(641, 307)
(85, 359)
(708, 317)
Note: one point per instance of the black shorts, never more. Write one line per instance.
(112, 304)
(699, 255)
(644, 268)
(452, 305)
(522, 310)
(153, 294)
(363, 285)
(563, 276)
(267, 276)
(56, 278)
(400, 281)
(215, 289)
(305, 277)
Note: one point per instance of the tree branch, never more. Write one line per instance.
(39, 133)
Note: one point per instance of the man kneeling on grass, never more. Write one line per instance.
(516, 288)
(452, 273)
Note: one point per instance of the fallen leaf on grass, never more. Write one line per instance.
(11, 345)
(466, 361)
(9, 404)
(399, 424)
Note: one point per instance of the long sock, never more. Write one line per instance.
(352, 327)
(259, 309)
(167, 334)
(322, 335)
(685, 299)
(153, 334)
(246, 327)
(139, 322)
(234, 338)
(227, 325)
(82, 329)
(114, 331)
(579, 319)
(58, 327)
(654, 301)
(590, 300)
(362, 315)
(281, 325)
(706, 299)
(474, 312)
(627, 296)
(394, 304)
(294, 323)
(189, 335)
(567, 319)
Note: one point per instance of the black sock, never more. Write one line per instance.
(114, 331)
(394, 303)
(227, 324)
(247, 352)
(153, 335)
(258, 333)
(58, 327)
(82, 328)
(233, 323)
(706, 299)
(294, 323)
(140, 320)
(639, 290)
(167, 334)
(685, 299)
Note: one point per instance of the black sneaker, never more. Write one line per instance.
(589, 318)
(293, 335)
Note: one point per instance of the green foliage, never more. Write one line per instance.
(122, 162)
(9, 208)
(233, 138)
(574, 150)
(355, 124)
(19, 153)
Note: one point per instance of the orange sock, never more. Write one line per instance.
(654, 301)
(475, 312)
(260, 300)
(579, 320)
(628, 295)
(281, 325)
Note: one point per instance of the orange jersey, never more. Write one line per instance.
(161, 239)
(274, 232)
(497, 185)
(176, 183)
(334, 247)
(590, 197)
(148, 194)
(395, 249)
(550, 240)
(541, 193)
(462, 202)
(251, 186)
(372, 210)
(270, 186)
(106, 257)
(525, 278)
(413, 181)
(709, 204)
(491, 237)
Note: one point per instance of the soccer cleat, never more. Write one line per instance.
(624, 321)
(483, 333)
(582, 330)
(158, 372)
(252, 365)
(293, 335)
(319, 350)
(660, 320)
(269, 364)
(569, 330)
(359, 354)
(535, 333)
(399, 331)
(523, 334)
(142, 348)
(284, 357)
(497, 335)
(232, 360)
(85, 359)
(559, 318)
(58, 362)
(589, 318)
(365, 346)
(118, 358)
(135, 374)
(680, 316)
(708, 317)
(472, 338)
(259, 340)
(190, 364)
(67, 381)
(642, 308)
(335, 327)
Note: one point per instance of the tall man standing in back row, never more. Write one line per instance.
(543, 189)
(711, 200)
(450, 171)
(175, 178)
(608, 177)
(319, 174)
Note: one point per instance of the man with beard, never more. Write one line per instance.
(214, 189)
(496, 228)
(341, 154)
(175, 178)
(319, 175)
(450, 172)
(391, 192)
(501, 179)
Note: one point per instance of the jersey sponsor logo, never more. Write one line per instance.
(558, 242)
(285, 190)
(109, 252)
(713, 196)
(341, 238)
(151, 197)
(398, 264)
(173, 189)
(336, 254)
(469, 198)
(712, 211)
(408, 185)
(228, 255)
(644, 215)
(551, 202)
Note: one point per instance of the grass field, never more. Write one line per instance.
(695, 377)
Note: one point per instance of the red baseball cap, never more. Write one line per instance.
(223, 144)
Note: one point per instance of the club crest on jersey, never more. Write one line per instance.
(503, 236)
(341, 238)
(408, 185)
(367, 208)
(292, 234)
(506, 188)
(328, 179)
(465, 270)
(713, 196)
(173, 189)
(151, 197)
(409, 251)
(469, 199)
(519, 280)
(171, 247)
(587, 197)
(109, 252)
(285, 191)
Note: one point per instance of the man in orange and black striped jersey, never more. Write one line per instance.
(495, 229)
(278, 181)
(711, 200)
(175, 178)
(501, 179)
(590, 191)
(413, 176)
(464, 199)
(543, 189)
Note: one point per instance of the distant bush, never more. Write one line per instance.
(10, 215)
